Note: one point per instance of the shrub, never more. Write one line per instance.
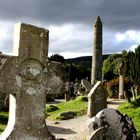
(112, 87)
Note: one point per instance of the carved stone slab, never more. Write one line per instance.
(97, 99)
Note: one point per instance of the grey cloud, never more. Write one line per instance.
(120, 15)
(77, 39)
(117, 16)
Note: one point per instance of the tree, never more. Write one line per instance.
(134, 65)
(110, 66)
(57, 58)
(79, 72)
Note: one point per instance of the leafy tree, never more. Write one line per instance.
(57, 58)
(79, 72)
(110, 66)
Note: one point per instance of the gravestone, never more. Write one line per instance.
(86, 85)
(76, 87)
(97, 99)
(30, 96)
(110, 124)
(67, 93)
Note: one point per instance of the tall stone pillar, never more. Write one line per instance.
(121, 70)
(96, 73)
(31, 97)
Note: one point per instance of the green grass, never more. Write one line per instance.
(3, 120)
(133, 111)
(79, 106)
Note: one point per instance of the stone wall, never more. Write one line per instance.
(8, 69)
(57, 77)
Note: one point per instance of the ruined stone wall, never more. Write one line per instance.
(8, 68)
(57, 77)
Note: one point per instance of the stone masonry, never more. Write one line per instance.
(121, 70)
(96, 73)
(30, 78)
(57, 77)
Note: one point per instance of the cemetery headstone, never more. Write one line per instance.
(97, 99)
(86, 85)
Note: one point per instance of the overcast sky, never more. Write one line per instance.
(70, 23)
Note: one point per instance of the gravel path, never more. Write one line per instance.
(74, 129)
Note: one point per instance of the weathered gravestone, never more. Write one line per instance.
(97, 99)
(86, 85)
(30, 97)
(110, 124)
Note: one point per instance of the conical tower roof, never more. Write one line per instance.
(98, 20)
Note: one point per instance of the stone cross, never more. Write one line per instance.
(97, 99)
(30, 97)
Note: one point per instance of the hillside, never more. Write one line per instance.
(84, 60)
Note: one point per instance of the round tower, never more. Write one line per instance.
(96, 73)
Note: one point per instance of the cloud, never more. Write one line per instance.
(117, 14)
(71, 38)
(71, 23)
(6, 36)
(129, 36)
(133, 47)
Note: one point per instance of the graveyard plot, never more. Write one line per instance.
(77, 106)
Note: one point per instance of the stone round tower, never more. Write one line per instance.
(96, 74)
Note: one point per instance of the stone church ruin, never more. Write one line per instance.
(58, 75)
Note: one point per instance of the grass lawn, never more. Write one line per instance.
(3, 120)
(79, 106)
(133, 111)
